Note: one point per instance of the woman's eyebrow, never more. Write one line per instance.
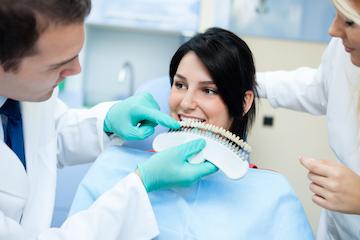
(180, 76)
(206, 82)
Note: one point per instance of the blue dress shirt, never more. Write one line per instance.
(11, 122)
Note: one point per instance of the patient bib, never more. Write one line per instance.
(261, 205)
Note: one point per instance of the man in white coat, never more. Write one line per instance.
(332, 90)
(39, 45)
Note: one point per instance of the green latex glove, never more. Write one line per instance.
(170, 168)
(136, 117)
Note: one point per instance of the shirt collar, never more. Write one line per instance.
(2, 100)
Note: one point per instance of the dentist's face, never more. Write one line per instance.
(194, 95)
(349, 32)
(38, 75)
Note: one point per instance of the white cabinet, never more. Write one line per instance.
(130, 42)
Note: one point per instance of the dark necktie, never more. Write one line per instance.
(13, 129)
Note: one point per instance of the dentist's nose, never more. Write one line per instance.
(336, 28)
(71, 69)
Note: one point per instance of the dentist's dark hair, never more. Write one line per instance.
(231, 66)
(23, 21)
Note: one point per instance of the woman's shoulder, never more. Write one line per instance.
(267, 173)
(118, 160)
(257, 181)
(270, 177)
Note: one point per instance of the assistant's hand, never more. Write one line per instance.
(136, 117)
(336, 186)
(170, 168)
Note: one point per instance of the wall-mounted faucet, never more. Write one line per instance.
(262, 8)
(126, 76)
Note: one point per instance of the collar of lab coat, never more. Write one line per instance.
(36, 186)
(10, 165)
(352, 73)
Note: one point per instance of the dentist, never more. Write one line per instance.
(332, 90)
(39, 45)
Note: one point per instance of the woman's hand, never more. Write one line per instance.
(336, 186)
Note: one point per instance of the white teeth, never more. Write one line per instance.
(186, 119)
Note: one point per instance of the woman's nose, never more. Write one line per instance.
(189, 101)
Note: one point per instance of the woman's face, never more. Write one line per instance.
(194, 94)
(349, 32)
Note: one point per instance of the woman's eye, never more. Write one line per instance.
(210, 91)
(179, 85)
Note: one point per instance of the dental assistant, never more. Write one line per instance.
(39, 45)
(332, 90)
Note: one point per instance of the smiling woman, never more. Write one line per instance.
(213, 81)
(209, 75)
(194, 95)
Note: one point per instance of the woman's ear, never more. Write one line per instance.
(248, 100)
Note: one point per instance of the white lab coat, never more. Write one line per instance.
(56, 136)
(332, 90)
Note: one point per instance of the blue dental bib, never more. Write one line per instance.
(261, 205)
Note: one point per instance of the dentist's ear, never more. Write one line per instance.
(248, 100)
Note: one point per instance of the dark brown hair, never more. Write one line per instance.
(23, 21)
(230, 63)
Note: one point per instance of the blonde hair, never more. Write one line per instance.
(345, 7)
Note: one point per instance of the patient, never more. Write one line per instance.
(212, 79)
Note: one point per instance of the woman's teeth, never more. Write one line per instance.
(191, 119)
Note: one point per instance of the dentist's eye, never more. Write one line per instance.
(349, 23)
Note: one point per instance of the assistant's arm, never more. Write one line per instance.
(299, 90)
(304, 89)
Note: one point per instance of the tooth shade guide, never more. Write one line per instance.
(226, 151)
(189, 125)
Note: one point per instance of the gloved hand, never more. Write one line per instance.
(170, 168)
(136, 117)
